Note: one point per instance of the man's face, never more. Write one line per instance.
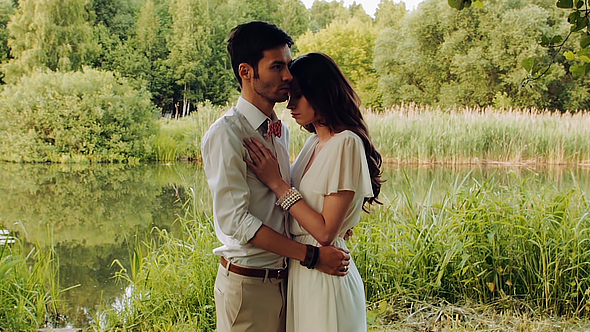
(274, 79)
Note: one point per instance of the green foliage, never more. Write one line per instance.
(389, 14)
(170, 282)
(189, 48)
(579, 25)
(351, 45)
(426, 135)
(409, 133)
(182, 138)
(6, 10)
(118, 16)
(295, 20)
(50, 34)
(77, 116)
(441, 56)
(490, 240)
(28, 292)
(323, 13)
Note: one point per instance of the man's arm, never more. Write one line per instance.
(332, 260)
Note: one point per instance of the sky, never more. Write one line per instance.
(368, 5)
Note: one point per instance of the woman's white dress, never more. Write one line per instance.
(317, 301)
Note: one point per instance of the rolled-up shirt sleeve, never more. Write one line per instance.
(223, 152)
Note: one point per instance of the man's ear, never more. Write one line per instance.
(246, 71)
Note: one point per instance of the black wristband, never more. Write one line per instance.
(316, 257)
(309, 256)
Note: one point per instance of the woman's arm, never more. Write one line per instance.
(324, 226)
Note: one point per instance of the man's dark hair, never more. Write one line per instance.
(247, 43)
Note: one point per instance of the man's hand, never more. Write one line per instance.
(348, 234)
(333, 261)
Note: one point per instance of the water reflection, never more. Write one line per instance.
(93, 214)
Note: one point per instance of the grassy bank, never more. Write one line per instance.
(488, 255)
(29, 288)
(413, 134)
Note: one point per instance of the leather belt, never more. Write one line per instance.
(250, 272)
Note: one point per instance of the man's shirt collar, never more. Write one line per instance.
(254, 116)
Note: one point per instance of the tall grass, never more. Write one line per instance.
(169, 281)
(181, 139)
(410, 133)
(485, 241)
(29, 290)
(502, 243)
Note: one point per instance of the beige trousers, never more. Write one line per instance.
(249, 304)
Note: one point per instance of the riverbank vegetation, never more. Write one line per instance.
(495, 254)
(29, 287)
(75, 117)
(89, 96)
(428, 135)
(432, 54)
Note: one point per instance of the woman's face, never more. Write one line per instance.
(301, 109)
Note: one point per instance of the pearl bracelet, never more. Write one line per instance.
(289, 198)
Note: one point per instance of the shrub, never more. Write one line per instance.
(90, 116)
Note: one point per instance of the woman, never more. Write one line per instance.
(337, 171)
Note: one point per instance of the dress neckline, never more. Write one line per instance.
(308, 156)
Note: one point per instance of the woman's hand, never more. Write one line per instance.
(263, 163)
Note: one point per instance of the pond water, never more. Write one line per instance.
(94, 214)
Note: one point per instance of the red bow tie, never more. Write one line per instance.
(274, 128)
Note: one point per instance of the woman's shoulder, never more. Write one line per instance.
(348, 136)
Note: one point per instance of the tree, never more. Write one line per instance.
(389, 14)
(295, 17)
(579, 20)
(6, 10)
(323, 13)
(189, 48)
(49, 34)
(350, 43)
(60, 116)
(357, 10)
(473, 57)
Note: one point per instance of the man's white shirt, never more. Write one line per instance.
(241, 203)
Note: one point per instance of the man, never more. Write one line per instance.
(250, 284)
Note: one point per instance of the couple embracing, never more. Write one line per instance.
(284, 264)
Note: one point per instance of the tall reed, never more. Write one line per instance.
(29, 288)
(169, 281)
(181, 139)
(408, 133)
(485, 240)
(421, 134)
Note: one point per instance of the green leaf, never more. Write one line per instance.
(578, 70)
(565, 3)
(569, 55)
(478, 4)
(573, 17)
(528, 63)
(458, 4)
(585, 58)
(585, 41)
(581, 24)
(556, 39)
(579, 4)
(545, 41)
(584, 51)
(538, 69)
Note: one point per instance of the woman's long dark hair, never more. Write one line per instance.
(337, 104)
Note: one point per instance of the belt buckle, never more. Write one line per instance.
(280, 273)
